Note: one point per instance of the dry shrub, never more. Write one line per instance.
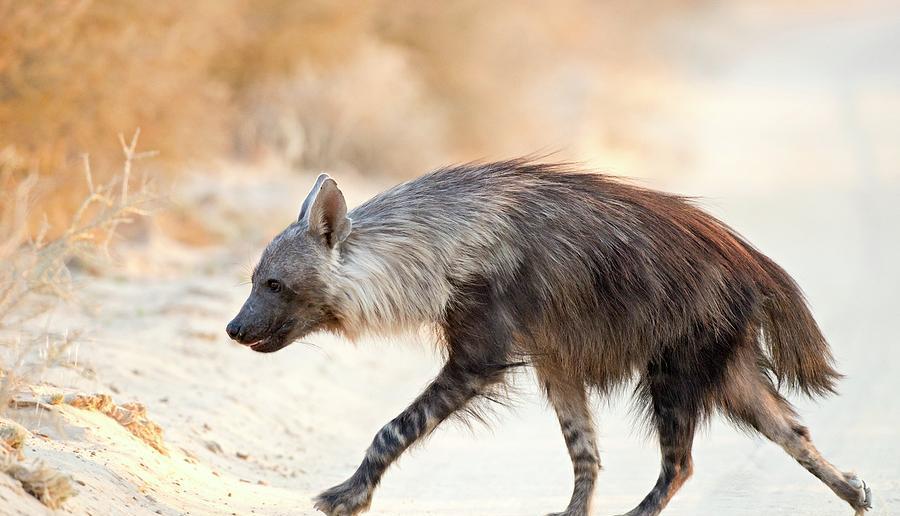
(275, 38)
(405, 87)
(51, 487)
(36, 274)
(12, 436)
(370, 114)
(374, 85)
(513, 79)
(74, 72)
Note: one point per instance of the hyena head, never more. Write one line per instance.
(289, 297)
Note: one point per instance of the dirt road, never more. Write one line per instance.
(251, 433)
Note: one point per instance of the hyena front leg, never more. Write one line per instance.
(454, 386)
(570, 401)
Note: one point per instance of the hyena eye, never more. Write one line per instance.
(274, 285)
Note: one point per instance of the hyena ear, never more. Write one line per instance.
(311, 196)
(325, 211)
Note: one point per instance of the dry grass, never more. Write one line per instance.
(133, 416)
(395, 89)
(49, 486)
(12, 437)
(35, 277)
(374, 86)
(72, 72)
(37, 270)
(322, 118)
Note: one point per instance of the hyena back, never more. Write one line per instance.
(589, 280)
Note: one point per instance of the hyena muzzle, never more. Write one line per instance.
(590, 281)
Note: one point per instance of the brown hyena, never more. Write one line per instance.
(590, 281)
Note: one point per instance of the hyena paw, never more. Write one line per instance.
(864, 493)
(346, 499)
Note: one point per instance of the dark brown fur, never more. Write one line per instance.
(591, 281)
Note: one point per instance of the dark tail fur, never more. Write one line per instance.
(799, 355)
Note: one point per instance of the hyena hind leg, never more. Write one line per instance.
(674, 413)
(757, 403)
(570, 401)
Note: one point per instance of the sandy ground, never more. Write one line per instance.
(262, 434)
(808, 173)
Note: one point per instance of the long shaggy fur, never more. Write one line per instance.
(600, 277)
(589, 280)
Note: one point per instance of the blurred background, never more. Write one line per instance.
(782, 117)
(743, 94)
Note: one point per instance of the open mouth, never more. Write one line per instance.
(276, 341)
(268, 345)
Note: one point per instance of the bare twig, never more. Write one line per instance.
(130, 157)
(35, 275)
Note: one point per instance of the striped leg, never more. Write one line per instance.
(454, 386)
(676, 434)
(758, 404)
(571, 404)
(675, 404)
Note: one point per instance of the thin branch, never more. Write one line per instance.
(35, 270)
(87, 172)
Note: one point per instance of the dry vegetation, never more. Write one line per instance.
(132, 416)
(372, 86)
(35, 277)
(37, 270)
(369, 86)
(375, 86)
(51, 487)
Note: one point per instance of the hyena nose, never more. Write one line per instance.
(234, 330)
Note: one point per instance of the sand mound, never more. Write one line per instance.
(51, 487)
(132, 416)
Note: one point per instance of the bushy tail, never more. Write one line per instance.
(799, 354)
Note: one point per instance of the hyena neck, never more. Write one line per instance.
(386, 284)
(413, 246)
